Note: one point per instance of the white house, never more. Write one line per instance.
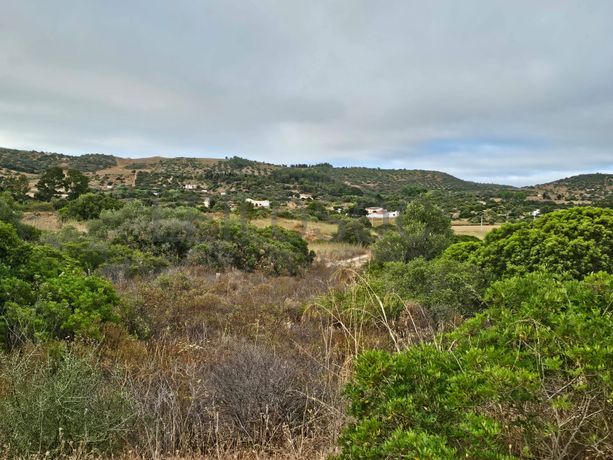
(381, 213)
(207, 202)
(306, 196)
(536, 213)
(259, 204)
(190, 186)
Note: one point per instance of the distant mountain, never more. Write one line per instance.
(269, 180)
(156, 172)
(33, 162)
(580, 188)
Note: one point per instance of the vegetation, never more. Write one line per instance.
(577, 242)
(423, 230)
(529, 377)
(149, 322)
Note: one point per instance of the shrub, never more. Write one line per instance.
(576, 241)
(423, 230)
(530, 377)
(262, 397)
(45, 296)
(445, 288)
(89, 206)
(57, 406)
(354, 231)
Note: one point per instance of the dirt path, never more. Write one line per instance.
(355, 262)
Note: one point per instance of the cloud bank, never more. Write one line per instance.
(512, 92)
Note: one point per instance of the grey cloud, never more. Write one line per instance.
(518, 91)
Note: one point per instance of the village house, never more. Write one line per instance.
(306, 196)
(381, 213)
(259, 204)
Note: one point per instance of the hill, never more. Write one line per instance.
(582, 188)
(222, 184)
(157, 172)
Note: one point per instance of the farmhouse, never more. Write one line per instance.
(259, 204)
(306, 196)
(380, 213)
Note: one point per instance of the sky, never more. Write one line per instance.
(515, 92)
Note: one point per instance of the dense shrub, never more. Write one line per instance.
(354, 231)
(272, 250)
(423, 230)
(262, 397)
(54, 407)
(45, 296)
(89, 206)
(576, 241)
(443, 288)
(10, 213)
(530, 377)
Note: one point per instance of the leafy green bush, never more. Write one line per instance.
(54, 407)
(423, 230)
(10, 213)
(576, 241)
(530, 377)
(354, 231)
(89, 206)
(272, 250)
(44, 295)
(444, 288)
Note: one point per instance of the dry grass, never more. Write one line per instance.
(330, 251)
(311, 231)
(50, 221)
(474, 230)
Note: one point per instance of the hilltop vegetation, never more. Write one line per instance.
(150, 325)
(223, 184)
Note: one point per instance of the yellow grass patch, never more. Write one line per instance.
(474, 230)
(50, 221)
(311, 231)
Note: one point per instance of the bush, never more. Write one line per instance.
(354, 231)
(444, 288)
(530, 377)
(45, 296)
(262, 397)
(57, 406)
(89, 206)
(271, 250)
(576, 241)
(423, 230)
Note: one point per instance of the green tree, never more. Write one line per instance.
(17, 185)
(354, 231)
(51, 184)
(76, 183)
(423, 230)
(89, 206)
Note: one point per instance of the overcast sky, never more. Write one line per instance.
(517, 92)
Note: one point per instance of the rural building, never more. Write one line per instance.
(259, 204)
(380, 213)
(306, 196)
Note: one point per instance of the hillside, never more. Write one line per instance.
(157, 172)
(580, 188)
(222, 184)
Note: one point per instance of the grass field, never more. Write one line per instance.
(50, 221)
(314, 230)
(474, 230)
